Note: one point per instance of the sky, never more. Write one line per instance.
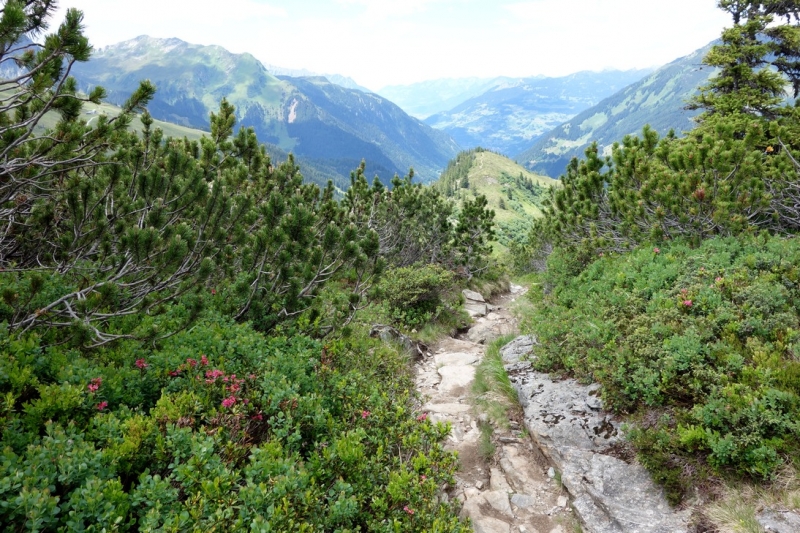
(398, 42)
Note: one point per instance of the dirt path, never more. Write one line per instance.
(514, 490)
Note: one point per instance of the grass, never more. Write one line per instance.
(493, 393)
(90, 111)
(486, 447)
(735, 511)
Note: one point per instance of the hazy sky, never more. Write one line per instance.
(387, 42)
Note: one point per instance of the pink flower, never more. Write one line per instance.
(687, 303)
(252, 376)
(212, 375)
(656, 250)
(365, 414)
(719, 280)
(204, 360)
(192, 362)
(175, 373)
(140, 363)
(423, 417)
(259, 416)
(684, 291)
(102, 405)
(423, 477)
(234, 388)
(228, 402)
(213, 292)
(601, 254)
(408, 510)
(94, 385)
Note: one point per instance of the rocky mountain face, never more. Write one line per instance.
(658, 99)
(512, 113)
(329, 126)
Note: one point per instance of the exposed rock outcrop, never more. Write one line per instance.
(567, 422)
(779, 521)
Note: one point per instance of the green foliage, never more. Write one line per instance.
(493, 392)
(755, 59)
(456, 175)
(710, 334)
(473, 232)
(416, 224)
(418, 294)
(246, 431)
(114, 413)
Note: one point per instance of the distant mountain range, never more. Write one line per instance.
(331, 127)
(331, 124)
(427, 98)
(338, 79)
(658, 100)
(512, 113)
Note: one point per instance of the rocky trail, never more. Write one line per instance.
(560, 468)
(511, 491)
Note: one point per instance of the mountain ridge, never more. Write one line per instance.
(513, 112)
(192, 79)
(658, 99)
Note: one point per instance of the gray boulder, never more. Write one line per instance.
(474, 303)
(389, 334)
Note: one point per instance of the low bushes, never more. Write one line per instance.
(701, 344)
(221, 429)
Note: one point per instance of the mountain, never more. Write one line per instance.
(514, 193)
(427, 98)
(658, 99)
(338, 79)
(509, 116)
(330, 127)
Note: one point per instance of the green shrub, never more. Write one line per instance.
(710, 333)
(246, 432)
(417, 294)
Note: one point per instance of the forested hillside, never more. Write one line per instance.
(672, 279)
(185, 320)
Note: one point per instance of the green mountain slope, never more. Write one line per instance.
(658, 99)
(514, 193)
(312, 171)
(512, 113)
(331, 127)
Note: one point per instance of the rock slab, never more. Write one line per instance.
(567, 422)
(779, 521)
(514, 351)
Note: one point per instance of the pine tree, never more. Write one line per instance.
(756, 58)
